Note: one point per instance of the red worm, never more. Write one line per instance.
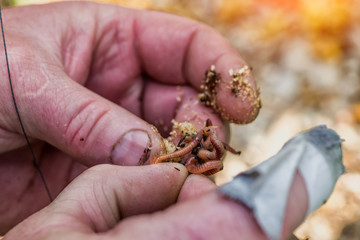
(208, 168)
(180, 153)
(206, 152)
(218, 145)
(230, 149)
(206, 155)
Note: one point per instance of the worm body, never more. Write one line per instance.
(208, 168)
(202, 155)
(180, 153)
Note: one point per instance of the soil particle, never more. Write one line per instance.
(239, 87)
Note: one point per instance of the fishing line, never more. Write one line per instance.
(35, 161)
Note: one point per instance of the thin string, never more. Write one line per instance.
(35, 161)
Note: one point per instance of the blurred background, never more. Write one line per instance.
(306, 59)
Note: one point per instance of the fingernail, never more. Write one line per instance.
(130, 148)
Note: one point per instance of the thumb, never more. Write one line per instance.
(83, 124)
(100, 197)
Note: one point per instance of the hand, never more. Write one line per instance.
(87, 78)
(94, 203)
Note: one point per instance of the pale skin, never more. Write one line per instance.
(84, 75)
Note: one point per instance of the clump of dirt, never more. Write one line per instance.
(208, 97)
(179, 130)
(239, 87)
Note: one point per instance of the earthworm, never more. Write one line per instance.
(207, 168)
(230, 149)
(203, 154)
(180, 153)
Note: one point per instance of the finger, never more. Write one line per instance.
(212, 217)
(174, 51)
(96, 200)
(86, 126)
(163, 103)
(190, 49)
(128, 190)
(195, 186)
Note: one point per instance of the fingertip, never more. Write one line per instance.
(233, 93)
(116, 191)
(171, 168)
(150, 188)
(199, 47)
(235, 97)
(195, 186)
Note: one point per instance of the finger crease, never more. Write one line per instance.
(74, 116)
(96, 121)
(186, 52)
